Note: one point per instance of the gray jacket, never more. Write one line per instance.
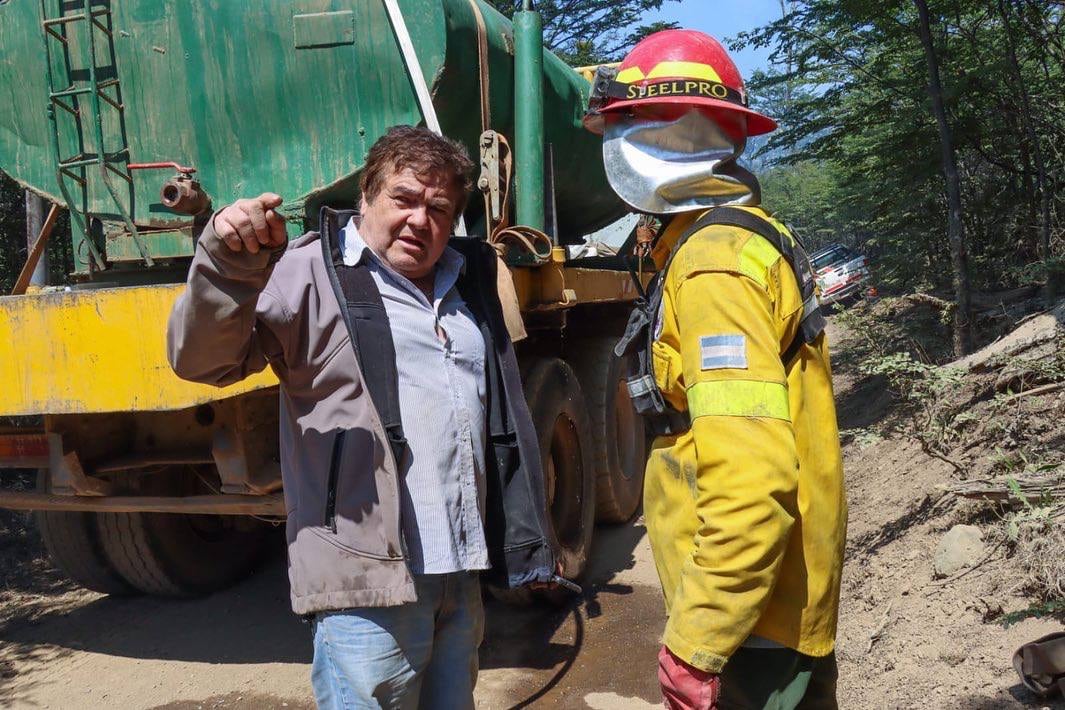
(241, 312)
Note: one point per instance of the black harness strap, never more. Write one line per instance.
(375, 349)
(813, 320)
(639, 335)
(371, 336)
(472, 290)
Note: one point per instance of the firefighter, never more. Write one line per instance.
(743, 497)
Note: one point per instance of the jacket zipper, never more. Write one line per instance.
(334, 475)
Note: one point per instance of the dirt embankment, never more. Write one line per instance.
(907, 638)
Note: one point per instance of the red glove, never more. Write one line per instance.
(685, 687)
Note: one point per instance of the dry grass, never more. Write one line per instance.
(1039, 551)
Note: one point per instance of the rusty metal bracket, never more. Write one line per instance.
(489, 182)
(233, 460)
(67, 476)
(272, 505)
(245, 467)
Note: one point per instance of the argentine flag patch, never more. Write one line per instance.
(723, 352)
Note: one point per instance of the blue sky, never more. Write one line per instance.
(724, 19)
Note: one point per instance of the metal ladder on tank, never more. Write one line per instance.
(96, 14)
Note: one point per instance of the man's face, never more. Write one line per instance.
(409, 221)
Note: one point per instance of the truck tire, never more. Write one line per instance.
(74, 544)
(618, 435)
(562, 426)
(177, 555)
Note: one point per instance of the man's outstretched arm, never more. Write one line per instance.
(216, 333)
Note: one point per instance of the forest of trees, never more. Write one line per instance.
(12, 232)
(927, 132)
(585, 32)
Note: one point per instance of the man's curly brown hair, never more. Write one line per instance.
(422, 151)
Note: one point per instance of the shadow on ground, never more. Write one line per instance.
(867, 545)
(249, 623)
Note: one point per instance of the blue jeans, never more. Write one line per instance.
(419, 655)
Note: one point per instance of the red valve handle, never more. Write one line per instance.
(159, 166)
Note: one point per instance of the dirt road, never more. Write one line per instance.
(243, 648)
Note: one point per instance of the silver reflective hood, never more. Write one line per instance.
(665, 167)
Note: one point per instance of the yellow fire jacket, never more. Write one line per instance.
(745, 511)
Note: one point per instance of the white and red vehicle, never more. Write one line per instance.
(842, 273)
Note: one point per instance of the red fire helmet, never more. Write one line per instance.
(675, 67)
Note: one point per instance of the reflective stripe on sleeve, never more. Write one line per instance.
(739, 398)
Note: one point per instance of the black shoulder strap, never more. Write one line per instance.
(371, 335)
(372, 338)
(813, 320)
(638, 340)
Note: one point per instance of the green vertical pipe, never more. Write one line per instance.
(529, 117)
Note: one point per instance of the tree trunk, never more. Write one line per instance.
(1033, 137)
(36, 208)
(791, 63)
(955, 226)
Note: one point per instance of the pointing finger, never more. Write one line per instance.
(269, 200)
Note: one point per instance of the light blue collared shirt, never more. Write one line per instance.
(442, 405)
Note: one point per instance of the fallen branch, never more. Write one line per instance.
(929, 300)
(1030, 316)
(1053, 387)
(934, 453)
(1031, 488)
(991, 300)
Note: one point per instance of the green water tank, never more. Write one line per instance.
(256, 95)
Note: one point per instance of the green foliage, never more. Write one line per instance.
(1036, 531)
(902, 343)
(862, 438)
(809, 196)
(858, 160)
(918, 382)
(1054, 608)
(895, 325)
(12, 233)
(924, 387)
(13, 239)
(594, 31)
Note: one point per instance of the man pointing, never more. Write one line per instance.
(408, 455)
